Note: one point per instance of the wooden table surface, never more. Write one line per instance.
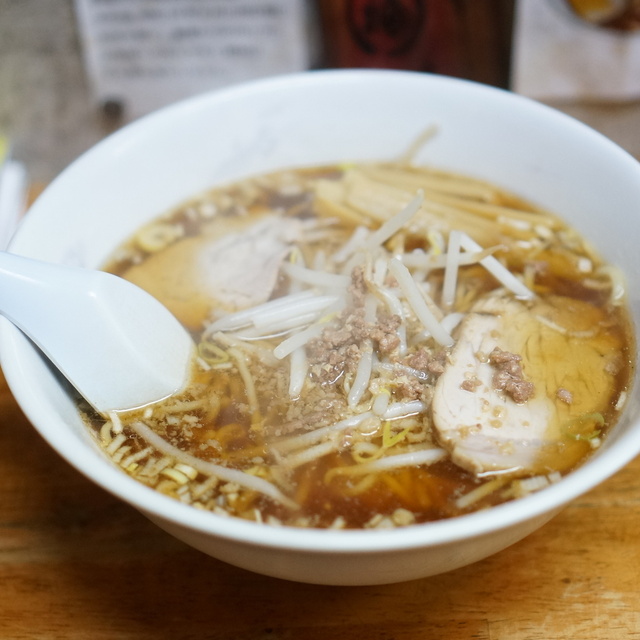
(77, 563)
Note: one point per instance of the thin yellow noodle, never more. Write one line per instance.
(397, 486)
(264, 354)
(388, 439)
(247, 378)
(120, 453)
(242, 478)
(364, 484)
(229, 432)
(115, 444)
(480, 492)
(209, 484)
(155, 466)
(368, 453)
(105, 432)
(212, 354)
(176, 476)
(188, 470)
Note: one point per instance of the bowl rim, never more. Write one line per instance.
(603, 465)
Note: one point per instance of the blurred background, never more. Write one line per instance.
(72, 71)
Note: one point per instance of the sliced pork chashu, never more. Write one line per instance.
(233, 265)
(566, 353)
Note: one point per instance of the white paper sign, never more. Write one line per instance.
(556, 56)
(145, 54)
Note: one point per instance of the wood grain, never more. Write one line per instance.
(77, 563)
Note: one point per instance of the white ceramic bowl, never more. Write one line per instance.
(309, 119)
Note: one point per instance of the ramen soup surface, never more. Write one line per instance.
(378, 345)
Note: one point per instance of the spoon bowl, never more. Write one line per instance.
(116, 344)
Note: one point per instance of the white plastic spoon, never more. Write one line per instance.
(115, 343)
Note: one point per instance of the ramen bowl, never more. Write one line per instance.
(311, 119)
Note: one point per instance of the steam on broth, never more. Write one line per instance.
(378, 345)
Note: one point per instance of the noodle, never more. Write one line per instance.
(336, 388)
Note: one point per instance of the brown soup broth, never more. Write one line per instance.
(239, 411)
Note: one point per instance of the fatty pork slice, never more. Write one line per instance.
(567, 354)
(232, 265)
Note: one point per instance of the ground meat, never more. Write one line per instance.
(385, 334)
(408, 388)
(419, 360)
(322, 406)
(425, 360)
(358, 287)
(338, 349)
(436, 367)
(470, 385)
(327, 366)
(501, 358)
(351, 329)
(509, 375)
